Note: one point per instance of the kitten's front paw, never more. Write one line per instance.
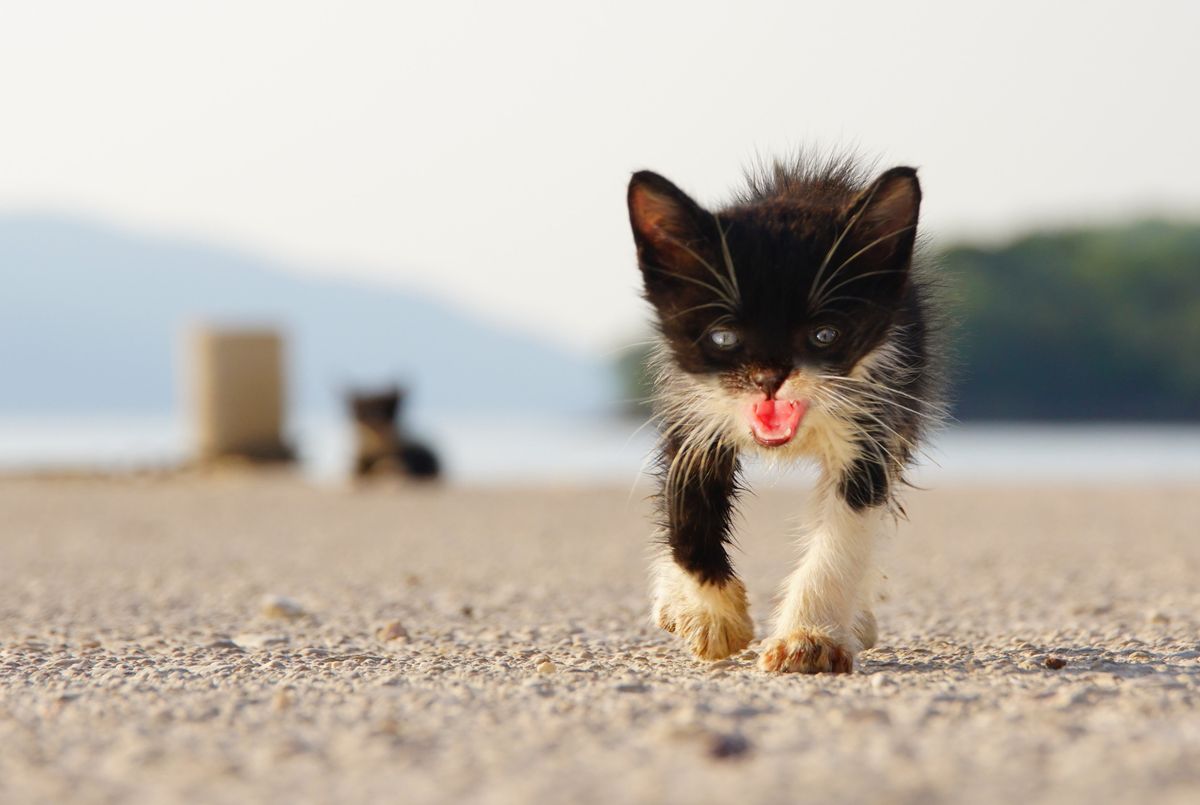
(715, 624)
(805, 652)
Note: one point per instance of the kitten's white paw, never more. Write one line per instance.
(805, 651)
(713, 619)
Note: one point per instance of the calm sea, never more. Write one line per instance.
(614, 451)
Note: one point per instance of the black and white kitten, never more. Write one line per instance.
(793, 324)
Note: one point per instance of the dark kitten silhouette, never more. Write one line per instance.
(794, 325)
(382, 446)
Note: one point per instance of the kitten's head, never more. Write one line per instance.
(763, 304)
(377, 408)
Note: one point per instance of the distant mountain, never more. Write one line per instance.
(91, 321)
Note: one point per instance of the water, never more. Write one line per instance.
(477, 450)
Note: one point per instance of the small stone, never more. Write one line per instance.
(1055, 663)
(56, 706)
(389, 727)
(281, 607)
(282, 700)
(630, 687)
(727, 746)
(290, 747)
(468, 611)
(224, 643)
(866, 716)
(392, 630)
(259, 640)
(546, 667)
(1158, 616)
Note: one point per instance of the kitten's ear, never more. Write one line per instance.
(667, 224)
(883, 218)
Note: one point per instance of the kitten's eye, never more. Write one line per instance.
(823, 336)
(724, 339)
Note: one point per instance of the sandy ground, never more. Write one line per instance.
(137, 661)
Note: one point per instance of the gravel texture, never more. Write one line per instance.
(241, 638)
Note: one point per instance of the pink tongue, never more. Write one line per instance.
(774, 422)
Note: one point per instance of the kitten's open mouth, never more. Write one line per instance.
(774, 422)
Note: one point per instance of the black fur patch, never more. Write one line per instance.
(697, 511)
(865, 484)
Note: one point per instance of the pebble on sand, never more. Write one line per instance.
(392, 630)
(281, 607)
(727, 745)
(546, 667)
(282, 700)
(257, 641)
(879, 681)
(222, 643)
(632, 686)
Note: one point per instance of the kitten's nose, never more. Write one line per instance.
(769, 380)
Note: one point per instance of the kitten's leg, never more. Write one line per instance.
(696, 593)
(823, 619)
(865, 628)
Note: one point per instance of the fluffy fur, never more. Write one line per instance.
(803, 294)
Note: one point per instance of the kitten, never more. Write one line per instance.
(794, 325)
(382, 446)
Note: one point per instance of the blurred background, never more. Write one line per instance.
(431, 196)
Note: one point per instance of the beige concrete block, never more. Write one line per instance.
(238, 392)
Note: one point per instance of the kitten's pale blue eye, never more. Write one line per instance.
(724, 339)
(824, 336)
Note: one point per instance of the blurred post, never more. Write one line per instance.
(238, 394)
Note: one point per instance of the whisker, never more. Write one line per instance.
(874, 386)
(723, 281)
(627, 347)
(911, 445)
(874, 441)
(857, 277)
(817, 291)
(721, 294)
(845, 231)
(649, 421)
(932, 418)
(825, 303)
(858, 409)
(859, 406)
(728, 257)
(694, 308)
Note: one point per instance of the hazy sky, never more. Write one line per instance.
(481, 149)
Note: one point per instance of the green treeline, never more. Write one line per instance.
(1082, 324)
(1099, 324)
